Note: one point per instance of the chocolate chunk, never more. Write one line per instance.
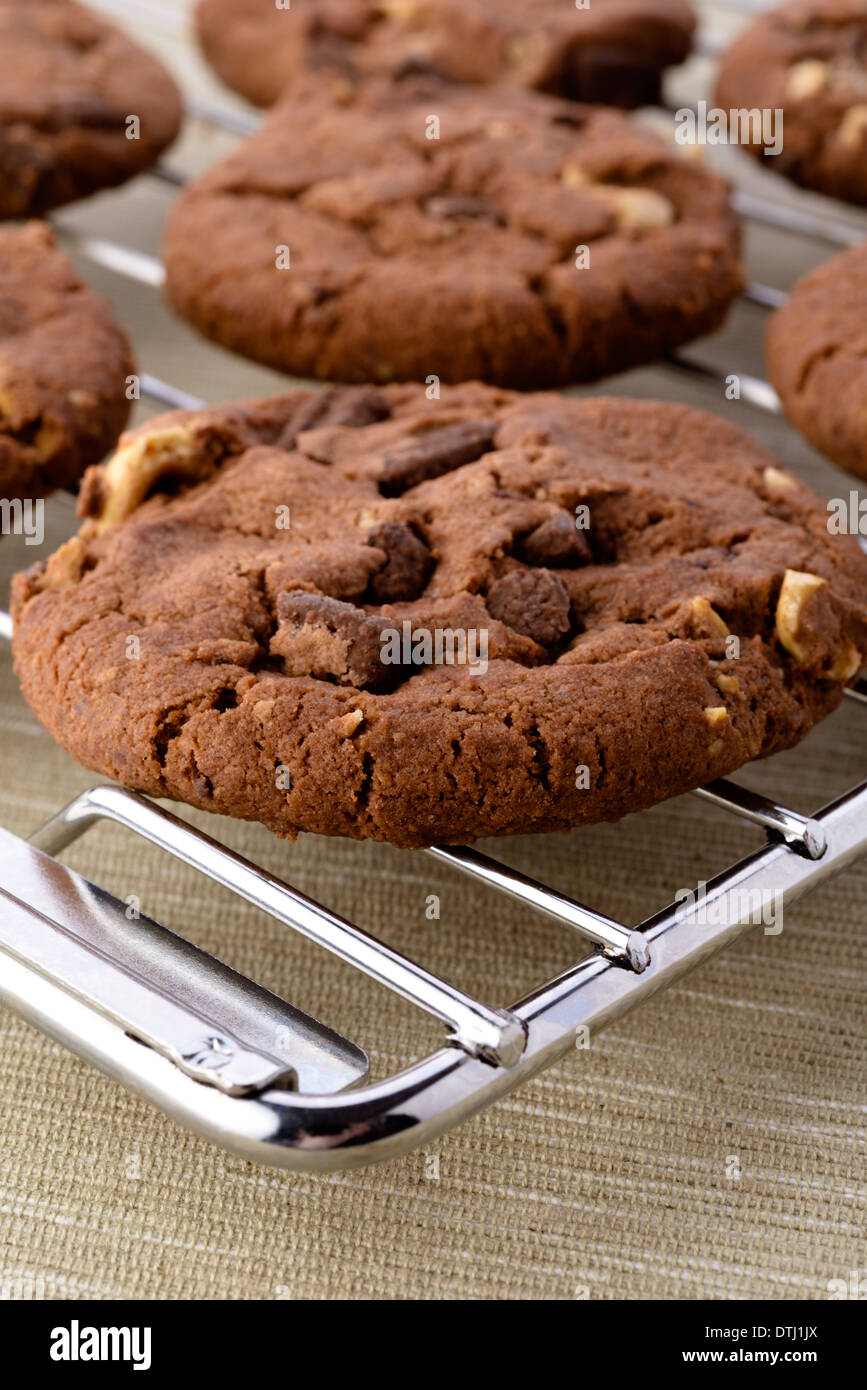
(433, 453)
(463, 205)
(322, 637)
(556, 542)
(87, 109)
(615, 75)
(93, 493)
(352, 406)
(422, 71)
(328, 53)
(408, 564)
(533, 602)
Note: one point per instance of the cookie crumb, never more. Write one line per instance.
(350, 723)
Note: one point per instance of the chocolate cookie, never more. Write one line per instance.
(81, 106)
(366, 613)
(531, 242)
(809, 59)
(611, 51)
(816, 350)
(64, 361)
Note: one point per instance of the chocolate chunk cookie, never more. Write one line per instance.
(809, 59)
(63, 368)
(611, 51)
(531, 242)
(282, 633)
(816, 350)
(81, 106)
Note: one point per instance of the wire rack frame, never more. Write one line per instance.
(251, 1072)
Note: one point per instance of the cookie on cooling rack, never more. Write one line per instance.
(64, 361)
(816, 350)
(423, 229)
(365, 613)
(81, 106)
(809, 59)
(612, 51)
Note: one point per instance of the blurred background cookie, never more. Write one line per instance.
(612, 51)
(809, 59)
(64, 361)
(81, 106)
(816, 348)
(510, 237)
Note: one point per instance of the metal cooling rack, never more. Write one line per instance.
(254, 1074)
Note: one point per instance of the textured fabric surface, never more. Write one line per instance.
(709, 1145)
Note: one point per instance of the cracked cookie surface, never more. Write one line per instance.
(807, 58)
(64, 361)
(816, 350)
(217, 630)
(368, 252)
(68, 84)
(613, 51)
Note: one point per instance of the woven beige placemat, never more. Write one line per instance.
(710, 1145)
